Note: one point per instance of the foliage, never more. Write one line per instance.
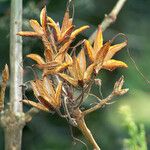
(136, 140)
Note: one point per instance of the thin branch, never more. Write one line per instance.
(109, 19)
(32, 112)
(71, 120)
(99, 105)
(76, 139)
(116, 92)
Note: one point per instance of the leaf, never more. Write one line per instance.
(88, 72)
(70, 22)
(59, 57)
(77, 69)
(98, 40)
(113, 64)
(69, 79)
(56, 69)
(49, 65)
(36, 27)
(90, 50)
(35, 89)
(58, 94)
(68, 59)
(114, 49)
(43, 18)
(36, 105)
(5, 78)
(61, 67)
(82, 61)
(38, 89)
(43, 91)
(65, 23)
(54, 26)
(46, 101)
(78, 31)
(72, 70)
(48, 55)
(5, 74)
(47, 84)
(64, 48)
(101, 54)
(39, 60)
(53, 43)
(66, 34)
(48, 49)
(98, 68)
(28, 33)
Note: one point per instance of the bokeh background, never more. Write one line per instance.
(50, 132)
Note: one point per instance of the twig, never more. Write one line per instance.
(76, 139)
(116, 91)
(28, 115)
(109, 19)
(71, 120)
(99, 105)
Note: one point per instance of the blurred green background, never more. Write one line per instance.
(49, 132)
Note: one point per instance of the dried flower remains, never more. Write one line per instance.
(63, 73)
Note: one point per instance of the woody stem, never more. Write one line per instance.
(109, 19)
(85, 131)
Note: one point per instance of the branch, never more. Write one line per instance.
(99, 105)
(116, 92)
(84, 129)
(109, 19)
(87, 133)
(28, 115)
(16, 77)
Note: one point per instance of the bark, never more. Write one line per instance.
(10, 133)
(12, 119)
(16, 56)
(12, 124)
